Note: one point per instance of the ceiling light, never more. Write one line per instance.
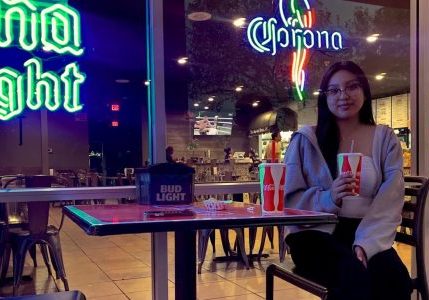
(372, 38)
(380, 76)
(316, 93)
(206, 107)
(196, 104)
(211, 99)
(122, 81)
(182, 61)
(199, 16)
(239, 22)
(147, 82)
(255, 104)
(239, 88)
(230, 114)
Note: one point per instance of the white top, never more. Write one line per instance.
(309, 181)
(357, 206)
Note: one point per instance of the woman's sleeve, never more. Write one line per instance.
(377, 229)
(298, 192)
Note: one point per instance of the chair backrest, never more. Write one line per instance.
(93, 179)
(412, 226)
(38, 211)
(13, 213)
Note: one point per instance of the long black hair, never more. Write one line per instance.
(327, 131)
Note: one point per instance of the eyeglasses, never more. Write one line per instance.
(350, 90)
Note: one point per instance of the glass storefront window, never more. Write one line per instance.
(237, 61)
(81, 67)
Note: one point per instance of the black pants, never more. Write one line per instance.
(330, 260)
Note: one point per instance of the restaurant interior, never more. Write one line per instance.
(221, 93)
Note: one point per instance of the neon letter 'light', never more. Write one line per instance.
(52, 28)
(37, 88)
(293, 29)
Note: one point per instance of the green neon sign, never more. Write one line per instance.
(31, 25)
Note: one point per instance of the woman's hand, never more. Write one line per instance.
(361, 255)
(341, 187)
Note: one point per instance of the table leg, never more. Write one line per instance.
(159, 266)
(185, 274)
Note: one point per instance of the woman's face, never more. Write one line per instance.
(344, 95)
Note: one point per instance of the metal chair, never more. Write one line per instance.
(18, 213)
(203, 238)
(411, 233)
(267, 231)
(39, 232)
(72, 295)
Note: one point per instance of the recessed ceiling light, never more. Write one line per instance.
(122, 81)
(255, 104)
(372, 38)
(380, 76)
(206, 107)
(239, 88)
(196, 104)
(211, 99)
(316, 93)
(239, 22)
(199, 16)
(182, 61)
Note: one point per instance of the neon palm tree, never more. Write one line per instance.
(298, 14)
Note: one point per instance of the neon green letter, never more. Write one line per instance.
(72, 80)
(61, 30)
(11, 103)
(26, 16)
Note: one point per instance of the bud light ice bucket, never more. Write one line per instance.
(272, 182)
(165, 184)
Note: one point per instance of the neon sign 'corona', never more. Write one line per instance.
(53, 28)
(293, 30)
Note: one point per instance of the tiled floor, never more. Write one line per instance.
(118, 267)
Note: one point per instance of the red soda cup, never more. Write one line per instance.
(272, 182)
(351, 162)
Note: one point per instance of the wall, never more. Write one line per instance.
(307, 115)
(67, 138)
(25, 158)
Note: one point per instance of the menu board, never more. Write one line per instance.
(374, 109)
(409, 111)
(400, 111)
(384, 111)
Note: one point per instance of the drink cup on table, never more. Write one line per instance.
(272, 182)
(351, 162)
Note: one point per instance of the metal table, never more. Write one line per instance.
(105, 220)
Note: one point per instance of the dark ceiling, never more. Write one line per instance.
(115, 37)
(405, 4)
